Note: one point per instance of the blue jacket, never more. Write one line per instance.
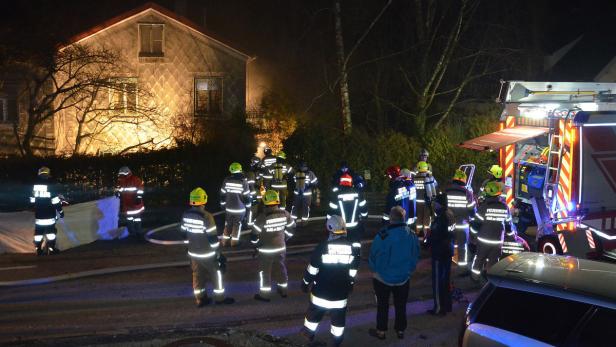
(394, 254)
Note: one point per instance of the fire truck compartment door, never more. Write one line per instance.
(502, 138)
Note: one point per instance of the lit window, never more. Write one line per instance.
(123, 94)
(208, 97)
(151, 40)
(4, 113)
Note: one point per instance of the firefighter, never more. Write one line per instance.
(270, 232)
(423, 156)
(348, 202)
(253, 178)
(409, 203)
(203, 245)
(47, 209)
(495, 174)
(329, 277)
(358, 180)
(280, 172)
(426, 191)
(235, 200)
(305, 182)
(440, 241)
(491, 220)
(462, 204)
(130, 190)
(266, 164)
(401, 193)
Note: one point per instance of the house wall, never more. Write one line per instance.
(170, 79)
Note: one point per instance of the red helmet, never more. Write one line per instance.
(346, 180)
(393, 172)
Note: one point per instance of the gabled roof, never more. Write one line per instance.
(150, 6)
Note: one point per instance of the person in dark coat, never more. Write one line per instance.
(440, 240)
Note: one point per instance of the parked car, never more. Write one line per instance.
(534, 299)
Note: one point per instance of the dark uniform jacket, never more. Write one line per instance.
(46, 201)
(332, 269)
(201, 231)
(348, 203)
(271, 228)
(441, 235)
(460, 201)
(235, 193)
(491, 220)
(401, 193)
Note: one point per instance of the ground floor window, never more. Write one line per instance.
(208, 97)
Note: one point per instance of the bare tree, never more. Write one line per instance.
(343, 61)
(78, 82)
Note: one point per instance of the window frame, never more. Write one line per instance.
(124, 81)
(197, 114)
(162, 41)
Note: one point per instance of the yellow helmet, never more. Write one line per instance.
(271, 197)
(493, 189)
(235, 167)
(460, 175)
(44, 171)
(496, 171)
(282, 155)
(422, 166)
(198, 197)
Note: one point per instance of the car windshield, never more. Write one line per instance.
(543, 318)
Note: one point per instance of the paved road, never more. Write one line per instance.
(144, 303)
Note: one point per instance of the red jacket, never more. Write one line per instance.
(131, 194)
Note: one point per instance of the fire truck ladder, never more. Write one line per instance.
(555, 154)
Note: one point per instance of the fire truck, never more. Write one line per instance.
(557, 148)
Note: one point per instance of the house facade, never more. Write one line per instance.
(169, 66)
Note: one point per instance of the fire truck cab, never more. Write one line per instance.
(557, 147)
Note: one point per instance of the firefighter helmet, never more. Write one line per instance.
(393, 172)
(496, 171)
(302, 166)
(235, 167)
(406, 173)
(198, 197)
(422, 166)
(336, 225)
(493, 189)
(282, 155)
(124, 171)
(267, 150)
(271, 197)
(346, 180)
(344, 166)
(44, 171)
(460, 175)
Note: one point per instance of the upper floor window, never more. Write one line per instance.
(4, 110)
(208, 97)
(151, 40)
(123, 94)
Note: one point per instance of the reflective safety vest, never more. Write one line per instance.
(491, 220)
(304, 182)
(235, 194)
(46, 202)
(425, 185)
(201, 232)
(347, 203)
(131, 194)
(401, 193)
(460, 201)
(332, 269)
(271, 228)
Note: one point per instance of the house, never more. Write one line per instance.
(190, 78)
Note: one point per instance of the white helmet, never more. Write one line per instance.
(124, 171)
(406, 173)
(336, 225)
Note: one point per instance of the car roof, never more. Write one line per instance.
(560, 276)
